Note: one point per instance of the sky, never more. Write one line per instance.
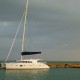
(53, 27)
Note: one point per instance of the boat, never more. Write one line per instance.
(25, 63)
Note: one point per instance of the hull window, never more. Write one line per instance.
(21, 65)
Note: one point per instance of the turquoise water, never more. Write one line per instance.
(46, 74)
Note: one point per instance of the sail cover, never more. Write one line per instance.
(30, 53)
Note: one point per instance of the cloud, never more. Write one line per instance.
(11, 10)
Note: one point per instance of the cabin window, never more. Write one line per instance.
(29, 62)
(26, 61)
(23, 61)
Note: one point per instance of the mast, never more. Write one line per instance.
(25, 19)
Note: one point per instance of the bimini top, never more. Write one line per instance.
(30, 53)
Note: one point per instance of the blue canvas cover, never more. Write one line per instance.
(30, 53)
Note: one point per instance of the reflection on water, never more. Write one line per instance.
(37, 74)
(51, 74)
(34, 71)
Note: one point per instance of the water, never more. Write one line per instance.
(46, 74)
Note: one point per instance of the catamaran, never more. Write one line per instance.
(25, 63)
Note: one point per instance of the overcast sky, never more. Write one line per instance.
(53, 27)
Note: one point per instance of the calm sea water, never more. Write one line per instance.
(46, 74)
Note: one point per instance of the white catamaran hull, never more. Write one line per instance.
(25, 66)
